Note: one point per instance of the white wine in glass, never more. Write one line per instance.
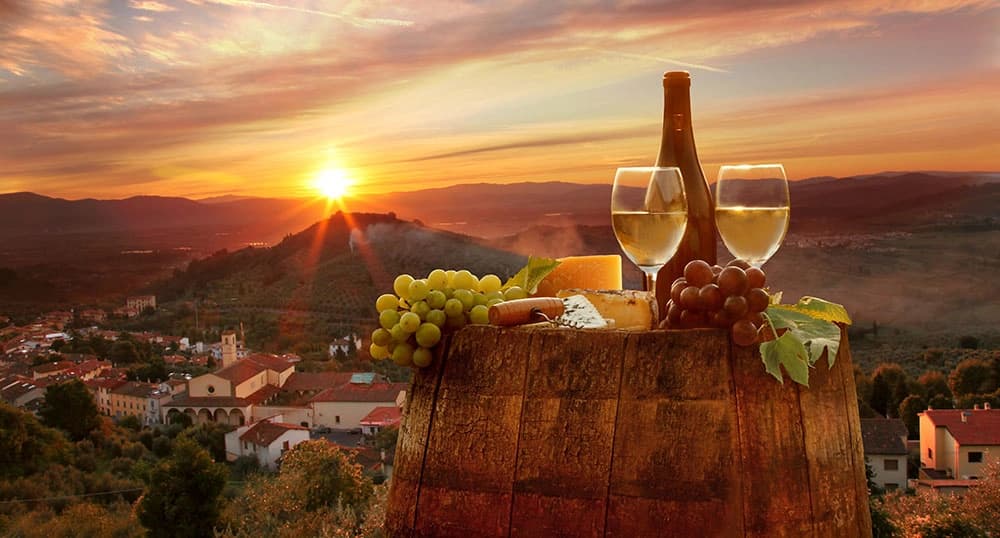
(649, 216)
(752, 210)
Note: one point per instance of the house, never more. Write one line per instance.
(267, 439)
(51, 369)
(101, 389)
(19, 391)
(885, 451)
(139, 303)
(955, 444)
(133, 398)
(380, 418)
(344, 406)
(344, 346)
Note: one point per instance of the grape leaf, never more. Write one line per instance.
(787, 351)
(816, 334)
(820, 309)
(532, 274)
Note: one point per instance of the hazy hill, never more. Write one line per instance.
(336, 267)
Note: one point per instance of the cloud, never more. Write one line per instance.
(150, 5)
(361, 22)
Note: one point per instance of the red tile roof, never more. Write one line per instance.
(315, 381)
(981, 428)
(357, 392)
(263, 394)
(240, 371)
(53, 367)
(244, 369)
(182, 400)
(884, 436)
(264, 433)
(382, 416)
(135, 389)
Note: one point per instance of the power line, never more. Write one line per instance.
(63, 497)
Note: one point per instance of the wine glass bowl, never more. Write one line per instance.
(649, 216)
(752, 210)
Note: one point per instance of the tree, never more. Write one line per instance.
(70, 407)
(123, 352)
(972, 376)
(183, 494)
(881, 395)
(908, 410)
(940, 402)
(26, 446)
(934, 383)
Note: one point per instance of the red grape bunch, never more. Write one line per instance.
(730, 297)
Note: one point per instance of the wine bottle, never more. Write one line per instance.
(677, 149)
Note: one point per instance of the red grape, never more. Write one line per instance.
(755, 277)
(742, 264)
(674, 314)
(716, 269)
(689, 298)
(757, 300)
(744, 333)
(755, 317)
(676, 289)
(735, 306)
(710, 297)
(733, 281)
(720, 319)
(698, 273)
(691, 319)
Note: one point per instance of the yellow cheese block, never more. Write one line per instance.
(587, 272)
(630, 309)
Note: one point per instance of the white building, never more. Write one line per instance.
(342, 407)
(885, 451)
(267, 440)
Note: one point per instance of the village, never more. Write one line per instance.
(269, 405)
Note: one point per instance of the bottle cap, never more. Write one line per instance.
(677, 78)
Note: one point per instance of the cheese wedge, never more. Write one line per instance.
(586, 272)
(630, 309)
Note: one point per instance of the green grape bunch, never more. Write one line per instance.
(414, 318)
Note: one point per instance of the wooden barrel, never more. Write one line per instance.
(555, 432)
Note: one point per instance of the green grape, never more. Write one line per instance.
(386, 301)
(428, 335)
(494, 295)
(437, 317)
(388, 318)
(378, 352)
(489, 283)
(514, 292)
(398, 334)
(479, 315)
(437, 279)
(409, 322)
(479, 299)
(465, 280)
(417, 291)
(381, 337)
(492, 302)
(436, 299)
(449, 293)
(422, 357)
(467, 299)
(453, 308)
(420, 308)
(403, 354)
(455, 322)
(402, 285)
(450, 273)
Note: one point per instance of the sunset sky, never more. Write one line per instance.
(208, 97)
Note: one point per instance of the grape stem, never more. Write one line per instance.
(769, 324)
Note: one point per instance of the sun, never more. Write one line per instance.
(334, 183)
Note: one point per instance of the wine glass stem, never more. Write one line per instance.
(650, 282)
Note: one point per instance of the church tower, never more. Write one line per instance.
(228, 348)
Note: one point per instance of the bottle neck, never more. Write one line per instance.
(677, 142)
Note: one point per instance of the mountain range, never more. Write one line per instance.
(888, 246)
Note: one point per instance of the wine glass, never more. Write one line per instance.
(649, 216)
(751, 210)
